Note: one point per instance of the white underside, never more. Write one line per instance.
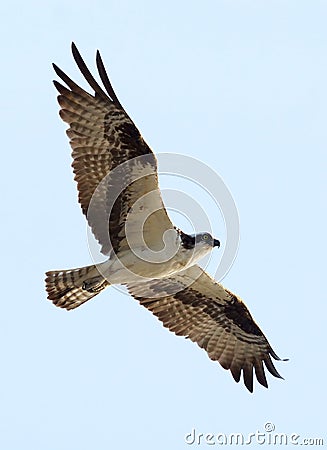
(143, 264)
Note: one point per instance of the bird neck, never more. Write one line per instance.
(187, 241)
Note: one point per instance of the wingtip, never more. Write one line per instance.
(249, 388)
(55, 68)
(75, 51)
(59, 72)
(276, 357)
(98, 59)
(76, 55)
(60, 88)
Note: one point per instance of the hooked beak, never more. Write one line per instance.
(216, 243)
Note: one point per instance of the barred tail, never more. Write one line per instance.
(71, 288)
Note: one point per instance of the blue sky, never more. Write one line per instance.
(240, 85)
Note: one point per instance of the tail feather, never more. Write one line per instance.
(71, 288)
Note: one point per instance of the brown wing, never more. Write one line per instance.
(194, 305)
(113, 166)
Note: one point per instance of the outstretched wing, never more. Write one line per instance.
(192, 304)
(115, 170)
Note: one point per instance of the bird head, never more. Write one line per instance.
(189, 241)
(207, 240)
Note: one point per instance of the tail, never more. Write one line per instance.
(71, 288)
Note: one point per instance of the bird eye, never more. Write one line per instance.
(205, 236)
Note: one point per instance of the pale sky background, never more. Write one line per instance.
(238, 84)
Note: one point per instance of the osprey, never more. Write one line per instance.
(116, 174)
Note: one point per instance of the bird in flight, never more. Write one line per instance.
(117, 181)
